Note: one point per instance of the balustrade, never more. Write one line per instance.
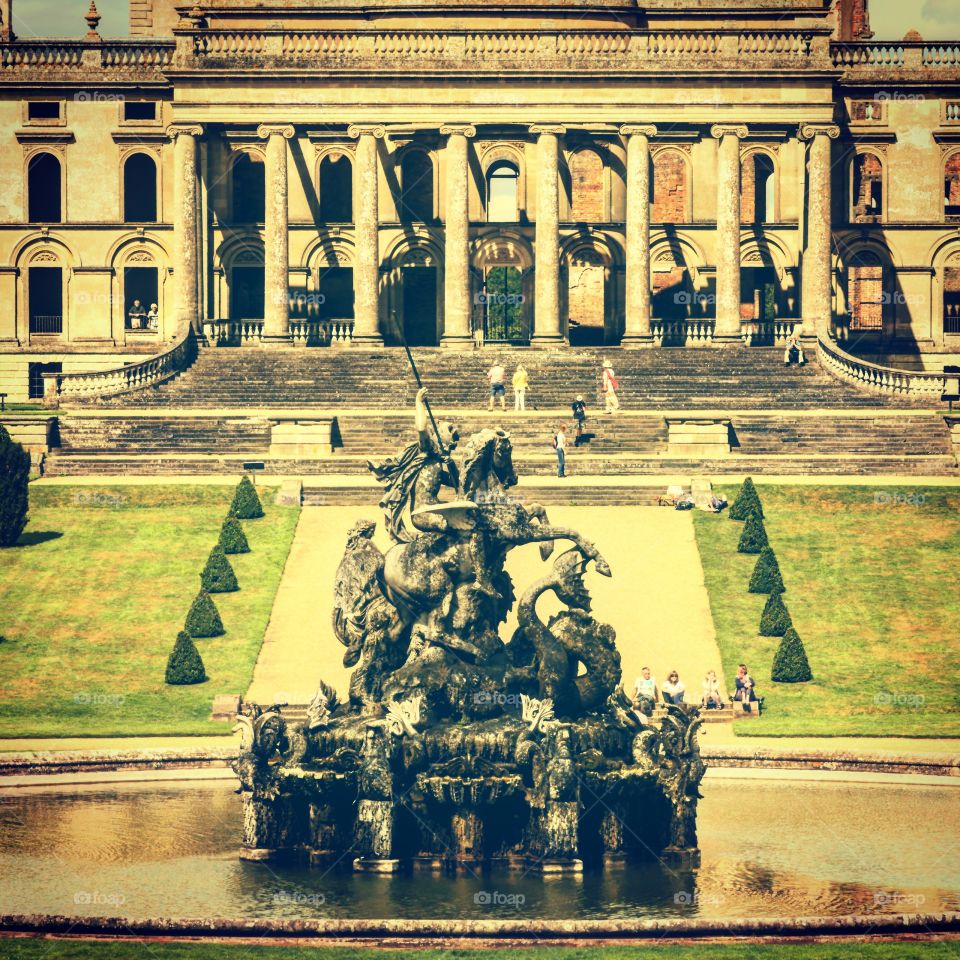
(769, 332)
(923, 385)
(680, 333)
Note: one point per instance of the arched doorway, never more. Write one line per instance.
(418, 284)
(502, 280)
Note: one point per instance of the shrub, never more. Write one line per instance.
(747, 502)
(218, 575)
(203, 620)
(246, 504)
(790, 665)
(232, 537)
(754, 536)
(185, 665)
(14, 496)
(775, 620)
(766, 574)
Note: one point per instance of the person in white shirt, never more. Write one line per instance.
(647, 694)
(496, 375)
(712, 697)
(560, 444)
(673, 689)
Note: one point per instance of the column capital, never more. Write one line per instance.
(467, 130)
(357, 130)
(638, 130)
(267, 130)
(557, 129)
(720, 130)
(807, 131)
(175, 130)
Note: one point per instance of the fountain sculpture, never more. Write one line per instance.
(456, 748)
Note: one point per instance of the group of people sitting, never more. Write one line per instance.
(647, 693)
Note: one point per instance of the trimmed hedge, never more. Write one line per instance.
(766, 576)
(232, 537)
(246, 504)
(14, 489)
(185, 665)
(747, 502)
(754, 536)
(203, 620)
(218, 575)
(790, 665)
(775, 620)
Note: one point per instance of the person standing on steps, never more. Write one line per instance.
(610, 386)
(560, 445)
(520, 381)
(580, 416)
(496, 376)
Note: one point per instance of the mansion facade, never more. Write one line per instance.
(590, 172)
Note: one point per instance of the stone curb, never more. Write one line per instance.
(17, 765)
(480, 930)
(937, 765)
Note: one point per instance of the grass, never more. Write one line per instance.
(872, 589)
(92, 599)
(86, 950)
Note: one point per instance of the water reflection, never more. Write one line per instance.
(769, 849)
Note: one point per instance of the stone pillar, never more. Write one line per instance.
(817, 285)
(728, 232)
(547, 280)
(276, 247)
(637, 331)
(366, 270)
(457, 309)
(186, 227)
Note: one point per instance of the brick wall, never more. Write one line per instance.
(748, 190)
(586, 181)
(669, 188)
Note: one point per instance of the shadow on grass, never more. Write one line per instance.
(34, 539)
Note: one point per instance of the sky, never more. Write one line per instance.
(891, 19)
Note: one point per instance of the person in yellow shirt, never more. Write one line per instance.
(520, 381)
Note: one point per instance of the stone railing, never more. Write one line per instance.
(61, 388)
(896, 56)
(679, 333)
(76, 56)
(768, 332)
(921, 385)
(321, 333)
(232, 333)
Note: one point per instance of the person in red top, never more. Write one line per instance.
(610, 387)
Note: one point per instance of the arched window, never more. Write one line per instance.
(867, 188)
(249, 194)
(757, 189)
(43, 189)
(669, 184)
(416, 186)
(865, 292)
(586, 187)
(951, 188)
(503, 179)
(140, 189)
(336, 189)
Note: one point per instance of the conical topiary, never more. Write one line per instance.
(746, 502)
(766, 574)
(246, 504)
(218, 575)
(754, 536)
(232, 537)
(203, 620)
(185, 665)
(775, 620)
(790, 665)
(14, 483)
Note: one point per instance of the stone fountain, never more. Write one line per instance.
(456, 748)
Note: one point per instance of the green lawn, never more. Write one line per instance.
(873, 591)
(93, 597)
(80, 950)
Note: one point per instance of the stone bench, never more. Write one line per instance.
(698, 438)
(302, 438)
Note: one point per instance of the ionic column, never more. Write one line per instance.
(185, 227)
(276, 247)
(456, 282)
(547, 280)
(817, 305)
(728, 231)
(637, 331)
(366, 270)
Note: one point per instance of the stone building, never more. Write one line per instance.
(579, 171)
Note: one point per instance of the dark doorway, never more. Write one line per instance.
(249, 194)
(46, 300)
(140, 189)
(139, 283)
(246, 293)
(758, 293)
(420, 306)
(35, 372)
(44, 189)
(336, 189)
(336, 286)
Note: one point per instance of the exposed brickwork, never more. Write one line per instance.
(853, 20)
(865, 294)
(669, 188)
(585, 293)
(748, 190)
(868, 188)
(951, 185)
(586, 181)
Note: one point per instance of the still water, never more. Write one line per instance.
(770, 849)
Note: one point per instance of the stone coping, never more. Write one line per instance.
(486, 931)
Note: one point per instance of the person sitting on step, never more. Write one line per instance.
(744, 692)
(647, 694)
(712, 698)
(793, 347)
(673, 689)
